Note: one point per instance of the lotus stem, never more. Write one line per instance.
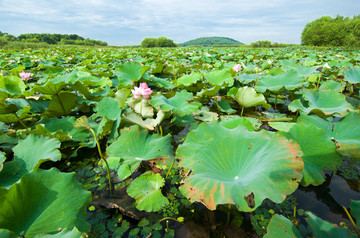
(318, 83)
(242, 111)
(295, 207)
(352, 221)
(141, 107)
(102, 158)
(167, 174)
(276, 97)
(169, 218)
(228, 215)
(19, 119)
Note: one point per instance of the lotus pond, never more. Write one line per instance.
(187, 142)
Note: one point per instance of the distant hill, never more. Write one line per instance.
(210, 41)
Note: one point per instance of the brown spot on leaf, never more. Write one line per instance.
(250, 200)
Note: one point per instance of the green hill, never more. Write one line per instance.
(210, 41)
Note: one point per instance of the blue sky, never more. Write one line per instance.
(127, 22)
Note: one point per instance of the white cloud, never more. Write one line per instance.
(129, 21)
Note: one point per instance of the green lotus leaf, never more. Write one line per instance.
(135, 145)
(319, 152)
(280, 226)
(4, 233)
(224, 106)
(49, 88)
(322, 103)
(188, 80)
(12, 85)
(355, 211)
(81, 123)
(43, 202)
(289, 80)
(332, 86)
(281, 126)
(247, 97)
(209, 92)
(352, 75)
(238, 166)
(220, 78)
(345, 132)
(28, 155)
(129, 72)
(325, 229)
(147, 193)
(232, 122)
(158, 82)
(2, 160)
(62, 104)
(177, 104)
(148, 123)
(65, 233)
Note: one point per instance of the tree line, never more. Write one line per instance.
(328, 31)
(157, 42)
(52, 39)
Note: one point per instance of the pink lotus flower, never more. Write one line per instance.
(25, 76)
(143, 91)
(36, 60)
(69, 58)
(11, 61)
(237, 68)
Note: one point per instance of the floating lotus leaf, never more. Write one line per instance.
(238, 166)
(232, 122)
(352, 75)
(220, 78)
(289, 80)
(28, 155)
(43, 202)
(281, 126)
(224, 106)
(147, 193)
(4, 233)
(345, 132)
(12, 85)
(135, 145)
(129, 72)
(280, 226)
(355, 211)
(65, 233)
(247, 97)
(148, 123)
(62, 104)
(322, 103)
(319, 152)
(177, 104)
(188, 80)
(325, 229)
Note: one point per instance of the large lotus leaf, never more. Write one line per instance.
(135, 145)
(355, 211)
(188, 80)
(352, 75)
(319, 152)
(129, 72)
(43, 202)
(65, 233)
(238, 166)
(322, 103)
(177, 104)
(12, 85)
(345, 132)
(247, 97)
(281, 126)
(289, 80)
(280, 226)
(220, 78)
(28, 155)
(325, 229)
(147, 193)
(49, 88)
(4, 233)
(62, 104)
(225, 106)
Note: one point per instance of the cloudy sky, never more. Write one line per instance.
(127, 22)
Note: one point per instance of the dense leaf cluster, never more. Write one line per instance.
(328, 31)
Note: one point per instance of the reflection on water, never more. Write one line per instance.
(326, 200)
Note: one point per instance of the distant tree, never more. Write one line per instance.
(261, 44)
(157, 42)
(328, 31)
